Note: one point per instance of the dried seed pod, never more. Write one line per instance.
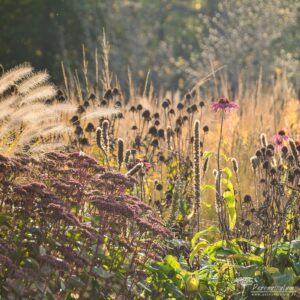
(263, 140)
(135, 169)
(120, 152)
(205, 165)
(235, 165)
(196, 148)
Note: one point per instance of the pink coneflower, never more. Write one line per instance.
(224, 104)
(280, 138)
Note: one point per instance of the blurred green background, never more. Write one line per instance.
(178, 41)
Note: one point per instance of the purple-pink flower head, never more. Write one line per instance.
(280, 138)
(224, 104)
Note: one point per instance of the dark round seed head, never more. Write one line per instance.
(161, 133)
(84, 141)
(153, 131)
(269, 153)
(156, 115)
(194, 108)
(132, 109)
(146, 114)
(180, 106)
(205, 129)
(116, 92)
(92, 97)
(86, 104)
(188, 97)
(247, 223)
(266, 165)
(201, 104)
(172, 111)
(273, 171)
(103, 103)
(159, 187)
(247, 198)
(155, 143)
(156, 123)
(165, 104)
(90, 127)
(161, 158)
(108, 94)
(118, 103)
(139, 107)
(258, 153)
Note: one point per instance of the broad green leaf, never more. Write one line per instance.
(172, 261)
(230, 201)
(210, 230)
(196, 249)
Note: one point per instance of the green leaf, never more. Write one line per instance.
(196, 249)
(172, 262)
(230, 201)
(228, 172)
(210, 230)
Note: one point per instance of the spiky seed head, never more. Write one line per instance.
(205, 165)
(263, 140)
(120, 152)
(135, 169)
(235, 165)
(294, 149)
(99, 138)
(127, 156)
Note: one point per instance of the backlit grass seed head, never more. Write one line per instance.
(120, 152)
(235, 165)
(135, 169)
(105, 135)
(263, 140)
(293, 149)
(99, 138)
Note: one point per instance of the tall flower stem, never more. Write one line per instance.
(219, 201)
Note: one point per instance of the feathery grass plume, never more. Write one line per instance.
(32, 82)
(254, 162)
(40, 93)
(12, 76)
(120, 153)
(205, 165)
(105, 136)
(235, 165)
(135, 169)
(294, 149)
(263, 140)
(99, 138)
(101, 112)
(196, 148)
